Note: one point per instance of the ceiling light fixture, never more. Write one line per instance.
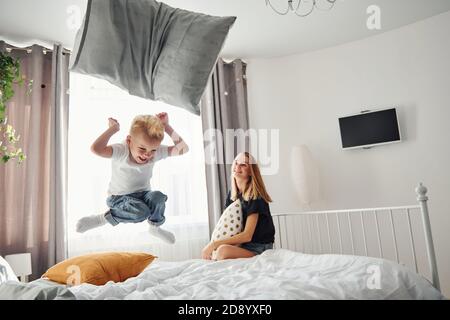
(303, 8)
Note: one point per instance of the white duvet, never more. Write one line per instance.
(6, 272)
(275, 274)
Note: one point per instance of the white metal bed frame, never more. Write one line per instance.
(421, 197)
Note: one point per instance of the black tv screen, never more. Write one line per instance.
(369, 128)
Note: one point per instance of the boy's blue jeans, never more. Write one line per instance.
(137, 207)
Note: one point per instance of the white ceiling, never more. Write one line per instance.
(258, 31)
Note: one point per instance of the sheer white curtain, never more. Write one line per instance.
(181, 178)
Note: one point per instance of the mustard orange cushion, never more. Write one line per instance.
(99, 268)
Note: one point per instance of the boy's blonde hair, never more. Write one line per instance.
(150, 125)
(255, 186)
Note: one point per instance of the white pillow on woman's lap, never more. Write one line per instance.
(229, 225)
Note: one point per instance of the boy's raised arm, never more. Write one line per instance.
(100, 146)
(180, 147)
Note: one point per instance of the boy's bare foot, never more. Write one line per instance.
(90, 222)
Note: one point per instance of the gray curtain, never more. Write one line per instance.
(33, 194)
(223, 106)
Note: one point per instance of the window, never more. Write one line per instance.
(182, 179)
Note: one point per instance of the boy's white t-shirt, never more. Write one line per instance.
(129, 177)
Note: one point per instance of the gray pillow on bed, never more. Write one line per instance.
(150, 49)
(12, 290)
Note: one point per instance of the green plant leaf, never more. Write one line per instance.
(9, 75)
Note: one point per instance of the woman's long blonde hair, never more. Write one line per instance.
(255, 186)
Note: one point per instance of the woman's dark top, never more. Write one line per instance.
(265, 230)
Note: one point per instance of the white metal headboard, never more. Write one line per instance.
(422, 208)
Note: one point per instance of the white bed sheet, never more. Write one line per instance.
(275, 274)
(6, 272)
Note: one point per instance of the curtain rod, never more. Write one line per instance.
(29, 50)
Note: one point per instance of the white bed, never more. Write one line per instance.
(289, 274)
(275, 274)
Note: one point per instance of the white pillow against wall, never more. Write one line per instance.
(230, 224)
(6, 272)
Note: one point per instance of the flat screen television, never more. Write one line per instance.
(369, 128)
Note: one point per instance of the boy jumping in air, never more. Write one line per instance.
(130, 199)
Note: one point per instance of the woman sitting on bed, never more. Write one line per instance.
(258, 230)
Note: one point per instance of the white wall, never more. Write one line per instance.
(304, 95)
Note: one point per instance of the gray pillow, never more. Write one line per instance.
(13, 290)
(150, 49)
